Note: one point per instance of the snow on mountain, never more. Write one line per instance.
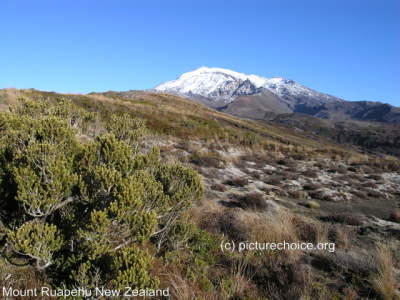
(224, 85)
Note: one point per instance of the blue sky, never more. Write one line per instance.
(349, 49)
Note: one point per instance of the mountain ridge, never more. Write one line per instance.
(252, 96)
(222, 86)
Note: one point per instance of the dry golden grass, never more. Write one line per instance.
(270, 228)
(238, 280)
(204, 211)
(384, 282)
(356, 159)
(179, 287)
(103, 99)
(313, 204)
(322, 232)
(231, 158)
(9, 98)
(343, 234)
(198, 149)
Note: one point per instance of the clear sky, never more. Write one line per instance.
(349, 49)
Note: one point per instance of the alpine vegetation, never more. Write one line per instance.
(150, 195)
(80, 200)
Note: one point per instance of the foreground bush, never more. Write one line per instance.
(80, 208)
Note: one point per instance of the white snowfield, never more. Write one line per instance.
(223, 84)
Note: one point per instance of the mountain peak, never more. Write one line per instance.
(215, 83)
(224, 86)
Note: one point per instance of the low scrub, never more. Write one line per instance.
(359, 194)
(294, 194)
(354, 262)
(375, 194)
(253, 201)
(287, 162)
(218, 187)
(312, 186)
(395, 216)
(305, 230)
(376, 177)
(281, 277)
(237, 182)
(310, 173)
(205, 161)
(348, 218)
(274, 180)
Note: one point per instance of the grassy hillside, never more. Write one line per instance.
(260, 182)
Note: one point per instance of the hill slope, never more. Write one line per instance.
(263, 182)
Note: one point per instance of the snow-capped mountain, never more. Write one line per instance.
(222, 86)
(252, 96)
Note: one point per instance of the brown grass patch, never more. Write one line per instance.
(218, 187)
(384, 281)
(237, 182)
(395, 216)
(253, 201)
(355, 219)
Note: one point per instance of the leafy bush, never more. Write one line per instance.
(100, 197)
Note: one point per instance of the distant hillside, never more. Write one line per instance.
(286, 102)
(371, 136)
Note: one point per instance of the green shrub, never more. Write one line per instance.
(82, 206)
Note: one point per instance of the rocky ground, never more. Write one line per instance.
(353, 202)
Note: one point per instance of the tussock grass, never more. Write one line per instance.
(9, 98)
(313, 204)
(343, 235)
(384, 281)
(179, 286)
(270, 228)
